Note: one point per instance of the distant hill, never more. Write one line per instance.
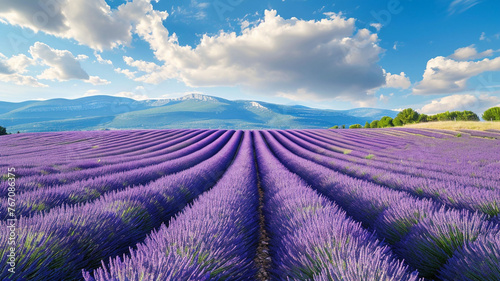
(190, 111)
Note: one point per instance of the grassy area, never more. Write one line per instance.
(457, 125)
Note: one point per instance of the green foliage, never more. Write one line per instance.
(367, 125)
(467, 116)
(454, 116)
(422, 118)
(385, 122)
(408, 116)
(343, 126)
(335, 127)
(432, 118)
(397, 122)
(355, 126)
(458, 135)
(3, 131)
(492, 114)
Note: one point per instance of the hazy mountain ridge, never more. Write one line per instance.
(190, 111)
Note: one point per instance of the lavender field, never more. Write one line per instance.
(371, 204)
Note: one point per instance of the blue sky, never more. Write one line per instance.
(431, 55)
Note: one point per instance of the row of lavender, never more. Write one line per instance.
(213, 239)
(295, 249)
(216, 237)
(411, 152)
(87, 189)
(43, 192)
(448, 190)
(311, 238)
(76, 150)
(77, 171)
(431, 237)
(58, 244)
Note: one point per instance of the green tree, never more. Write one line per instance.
(446, 116)
(355, 126)
(431, 118)
(367, 125)
(343, 126)
(374, 124)
(335, 127)
(408, 116)
(454, 116)
(385, 122)
(492, 114)
(397, 122)
(422, 118)
(467, 116)
(3, 131)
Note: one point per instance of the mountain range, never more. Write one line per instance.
(190, 111)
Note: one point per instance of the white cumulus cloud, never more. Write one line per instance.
(326, 59)
(141, 65)
(90, 22)
(82, 57)
(101, 60)
(95, 80)
(470, 53)
(377, 26)
(21, 80)
(63, 65)
(460, 102)
(397, 80)
(11, 70)
(307, 59)
(150, 71)
(18, 63)
(445, 75)
(127, 72)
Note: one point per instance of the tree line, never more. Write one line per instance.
(3, 131)
(410, 116)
